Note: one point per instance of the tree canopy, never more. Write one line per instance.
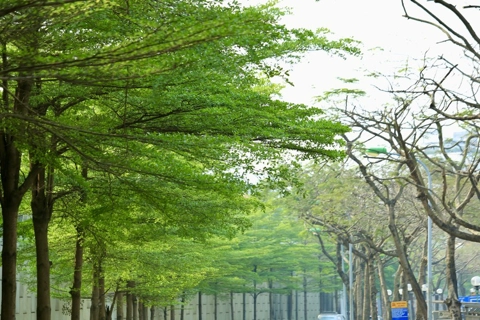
(149, 112)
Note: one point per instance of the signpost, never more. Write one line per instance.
(399, 310)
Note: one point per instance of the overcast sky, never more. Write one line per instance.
(377, 23)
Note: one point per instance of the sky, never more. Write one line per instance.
(389, 42)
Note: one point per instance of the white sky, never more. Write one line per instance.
(377, 23)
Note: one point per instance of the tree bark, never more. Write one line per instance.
(152, 313)
(270, 299)
(120, 303)
(42, 207)
(9, 258)
(130, 311)
(199, 305)
(404, 262)
(386, 315)
(75, 291)
(172, 312)
(140, 310)
(94, 308)
(305, 302)
(232, 307)
(452, 301)
(11, 196)
(102, 311)
(373, 288)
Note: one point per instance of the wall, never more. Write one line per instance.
(26, 307)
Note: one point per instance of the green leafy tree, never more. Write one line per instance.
(136, 89)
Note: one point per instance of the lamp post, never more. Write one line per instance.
(439, 297)
(476, 283)
(429, 230)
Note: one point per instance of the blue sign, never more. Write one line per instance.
(469, 299)
(399, 313)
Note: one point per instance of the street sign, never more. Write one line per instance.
(399, 304)
(399, 310)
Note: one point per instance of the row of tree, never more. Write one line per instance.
(422, 171)
(129, 132)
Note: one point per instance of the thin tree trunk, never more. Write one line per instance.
(232, 307)
(386, 315)
(215, 307)
(140, 310)
(290, 305)
(130, 284)
(102, 312)
(152, 313)
(120, 304)
(41, 205)
(296, 304)
(405, 263)
(305, 310)
(75, 290)
(366, 292)
(94, 312)
(135, 308)
(182, 307)
(270, 300)
(172, 312)
(199, 305)
(452, 301)
(244, 306)
(255, 296)
(373, 288)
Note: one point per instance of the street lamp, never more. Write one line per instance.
(476, 283)
(438, 297)
(429, 290)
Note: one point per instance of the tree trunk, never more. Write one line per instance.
(232, 307)
(9, 257)
(270, 300)
(182, 306)
(140, 310)
(255, 296)
(41, 205)
(102, 311)
(130, 284)
(75, 290)
(452, 301)
(405, 263)
(367, 287)
(11, 191)
(244, 306)
(172, 312)
(305, 302)
(129, 306)
(152, 313)
(290, 305)
(94, 312)
(199, 305)
(373, 288)
(120, 304)
(215, 307)
(135, 308)
(386, 315)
